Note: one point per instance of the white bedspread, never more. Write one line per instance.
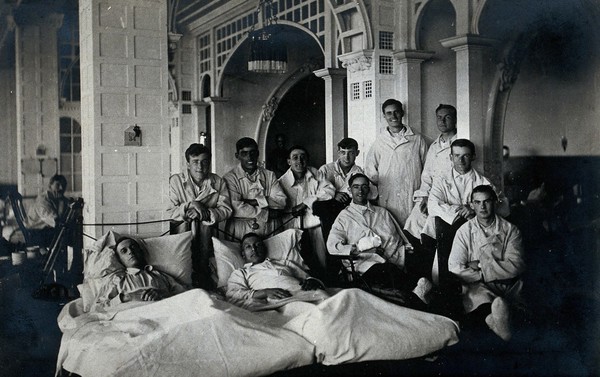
(190, 334)
(193, 334)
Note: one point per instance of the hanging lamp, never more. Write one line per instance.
(268, 52)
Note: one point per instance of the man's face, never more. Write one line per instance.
(461, 159)
(446, 121)
(57, 188)
(248, 157)
(360, 190)
(130, 254)
(199, 166)
(484, 205)
(347, 156)
(253, 250)
(393, 115)
(298, 161)
(280, 141)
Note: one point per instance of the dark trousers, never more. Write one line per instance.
(445, 233)
(327, 210)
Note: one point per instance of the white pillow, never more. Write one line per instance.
(283, 246)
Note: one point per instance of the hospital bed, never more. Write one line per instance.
(198, 333)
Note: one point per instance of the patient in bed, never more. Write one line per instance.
(137, 281)
(263, 280)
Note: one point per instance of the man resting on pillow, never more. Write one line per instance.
(263, 280)
(137, 281)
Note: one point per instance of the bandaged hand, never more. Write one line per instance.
(368, 242)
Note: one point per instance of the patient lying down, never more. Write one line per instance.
(137, 281)
(265, 283)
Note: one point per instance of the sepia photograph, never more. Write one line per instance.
(299, 187)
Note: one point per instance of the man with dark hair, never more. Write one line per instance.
(199, 196)
(303, 187)
(50, 209)
(437, 163)
(277, 157)
(395, 161)
(256, 196)
(487, 257)
(338, 173)
(137, 281)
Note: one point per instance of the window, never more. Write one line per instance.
(68, 40)
(186, 109)
(70, 152)
(386, 40)
(368, 89)
(355, 90)
(386, 65)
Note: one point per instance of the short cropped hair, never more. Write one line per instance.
(196, 150)
(245, 142)
(290, 150)
(59, 178)
(485, 189)
(347, 143)
(389, 102)
(355, 176)
(447, 107)
(125, 238)
(248, 235)
(463, 143)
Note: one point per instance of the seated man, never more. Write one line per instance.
(303, 187)
(371, 232)
(487, 257)
(138, 281)
(338, 173)
(256, 196)
(262, 279)
(50, 208)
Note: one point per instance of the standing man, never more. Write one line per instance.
(437, 163)
(277, 157)
(200, 196)
(337, 173)
(395, 162)
(487, 257)
(256, 196)
(303, 188)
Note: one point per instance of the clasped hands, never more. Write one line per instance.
(279, 293)
(197, 210)
(273, 212)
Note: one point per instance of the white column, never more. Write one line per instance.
(335, 123)
(471, 88)
(409, 90)
(124, 83)
(221, 135)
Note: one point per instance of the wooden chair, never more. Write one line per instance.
(32, 237)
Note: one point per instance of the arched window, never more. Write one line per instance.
(68, 39)
(70, 152)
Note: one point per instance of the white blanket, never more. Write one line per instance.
(194, 334)
(191, 334)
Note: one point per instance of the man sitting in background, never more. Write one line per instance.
(138, 281)
(487, 257)
(50, 208)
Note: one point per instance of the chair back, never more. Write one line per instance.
(16, 202)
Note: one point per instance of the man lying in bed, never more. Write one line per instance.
(264, 280)
(137, 281)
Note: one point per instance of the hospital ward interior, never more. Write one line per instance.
(299, 187)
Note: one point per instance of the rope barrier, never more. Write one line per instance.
(135, 223)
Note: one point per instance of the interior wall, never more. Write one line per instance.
(439, 72)
(8, 128)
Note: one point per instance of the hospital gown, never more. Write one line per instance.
(394, 164)
(499, 251)
(437, 163)
(356, 222)
(212, 193)
(262, 186)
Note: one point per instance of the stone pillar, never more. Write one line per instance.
(471, 88)
(37, 100)
(124, 83)
(409, 90)
(219, 136)
(335, 122)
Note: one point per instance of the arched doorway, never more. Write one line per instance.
(300, 116)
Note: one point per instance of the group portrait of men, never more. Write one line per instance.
(415, 217)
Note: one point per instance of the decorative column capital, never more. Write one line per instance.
(357, 60)
(268, 109)
(461, 42)
(416, 56)
(326, 73)
(201, 103)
